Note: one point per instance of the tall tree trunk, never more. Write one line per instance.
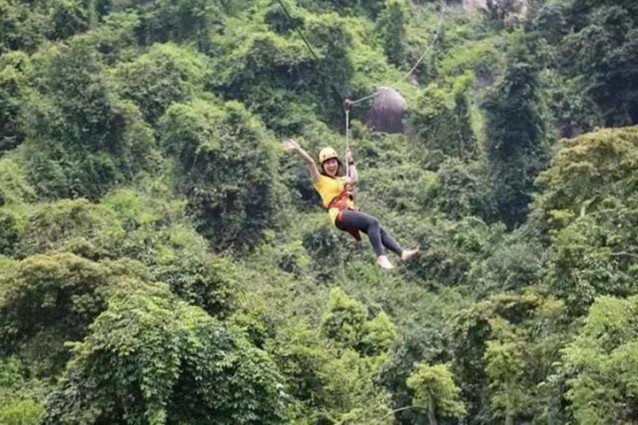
(431, 415)
(509, 419)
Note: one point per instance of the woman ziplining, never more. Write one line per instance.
(332, 183)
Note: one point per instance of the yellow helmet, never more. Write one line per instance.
(326, 154)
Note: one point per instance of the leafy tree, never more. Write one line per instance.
(581, 8)
(70, 17)
(503, 348)
(434, 122)
(345, 319)
(49, 299)
(353, 397)
(504, 12)
(504, 365)
(200, 279)
(594, 256)
(459, 190)
(379, 335)
(435, 391)
(467, 146)
(551, 22)
(301, 355)
(13, 91)
(422, 319)
(130, 224)
(279, 21)
(601, 363)
(392, 24)
(584, 171)
(225, 165)
(115, 37)
(573, 111)
(152, 358)
(442, 121)
(166, 74)
(9, 233)
(588, 205)
(22, 412)
(516, 261)
(328, 383)
(605, 53)
(346, 323)
(83, 140)
(354, 7)
(274, 72)
(514, 139)
(18, 401)
(21, 28)
(451, 248)
(156, 232)
(14, 185)
(113, 309)
(182, 20)
(75, 226)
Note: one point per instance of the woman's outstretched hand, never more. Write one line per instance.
(290, 145)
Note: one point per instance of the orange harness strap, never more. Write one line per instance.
(341, 202)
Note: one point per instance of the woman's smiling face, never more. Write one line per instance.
(331, 166)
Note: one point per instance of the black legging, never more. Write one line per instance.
(369, 225)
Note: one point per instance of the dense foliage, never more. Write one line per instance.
(162, 261)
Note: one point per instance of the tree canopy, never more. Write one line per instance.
(163, 261)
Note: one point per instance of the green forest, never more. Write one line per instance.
(163, 260)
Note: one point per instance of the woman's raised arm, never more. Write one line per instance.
(291, 145)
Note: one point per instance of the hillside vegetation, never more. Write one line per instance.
(163, 261)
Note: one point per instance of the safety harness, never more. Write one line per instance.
(341, 203)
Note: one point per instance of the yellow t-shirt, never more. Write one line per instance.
(329, 189)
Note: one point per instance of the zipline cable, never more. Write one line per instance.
(346, 101)
(418, 62)
(346, 107)
(297, 30)
(303, 38)
(378, 92)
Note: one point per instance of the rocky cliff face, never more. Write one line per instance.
(473, 4)
(509, 10)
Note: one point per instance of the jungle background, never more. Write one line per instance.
(163, 261)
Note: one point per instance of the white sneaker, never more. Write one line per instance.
(410, 254)
(384, 262)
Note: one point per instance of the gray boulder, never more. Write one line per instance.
(386, 114)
